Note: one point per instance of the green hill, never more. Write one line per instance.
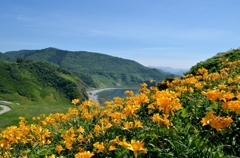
(196, 116)
(213, 64)
(94, 69)
(1, 56)
(38, 81)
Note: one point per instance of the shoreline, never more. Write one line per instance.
(5, 108)
(92, 95)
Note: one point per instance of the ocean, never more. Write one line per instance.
(108, 95)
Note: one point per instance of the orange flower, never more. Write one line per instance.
(216, 122)
(85, 154)
(191, 90)
(230, 80)
(80, 138)
(219, 123)
(127, 125)
(59, 148)
(134, 146)
(140, 98)
(221, 86)
(87, 116)
(52, 156)
(208, 118)
(232, 105)
(181, 89)
(111, 148)
(202, 71)
(199, 85)
(115, 140)
(227, 96)
(75, 101)
(81, 130)
(166, 101)
(97, 130)
(156, 118)
(189, 81)
(213, 95)
(151, 106)
(99, 147)
(129, 93)
(144, 89)
(124, 143)
(153, 88)
(137, 146)
(130, 110)
(108, 125)
(137, 124)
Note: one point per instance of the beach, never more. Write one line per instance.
(93, 94)
(5, 108)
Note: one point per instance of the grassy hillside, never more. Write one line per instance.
(213, 64)
(197, 116)
(94, 69)
(38, 81)
(36, 88)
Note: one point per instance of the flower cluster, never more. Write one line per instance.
(218, 123)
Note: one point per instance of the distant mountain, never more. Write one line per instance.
(38, 81)
(94, 69)
(178, 72)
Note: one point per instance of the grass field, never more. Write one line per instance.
(28, 110)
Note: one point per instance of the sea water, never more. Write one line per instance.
(110, 94)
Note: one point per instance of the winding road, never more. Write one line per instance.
(5, 108)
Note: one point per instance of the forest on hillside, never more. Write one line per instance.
(96, 70)
(37, 81)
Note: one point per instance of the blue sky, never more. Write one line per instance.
(175, 33)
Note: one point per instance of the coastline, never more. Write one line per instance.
(93, 94)
(5, 108)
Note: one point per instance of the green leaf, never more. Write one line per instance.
(44, 152)
(184, 113)
(214, 106)
(150, 111)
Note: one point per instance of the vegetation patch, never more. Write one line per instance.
(29, 109)
(37, 81)
(195, 116)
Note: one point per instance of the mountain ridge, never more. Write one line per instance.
(96, 70)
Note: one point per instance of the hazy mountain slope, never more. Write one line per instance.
(95, 69)
(38, 81)
(170, 70)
